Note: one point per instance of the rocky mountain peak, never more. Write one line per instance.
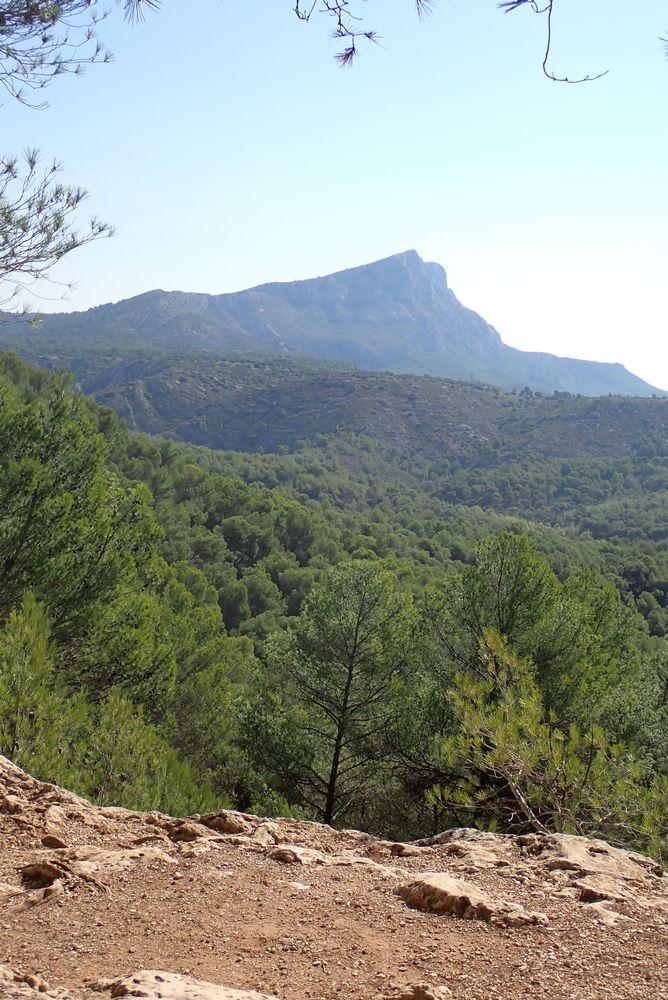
(403, 275)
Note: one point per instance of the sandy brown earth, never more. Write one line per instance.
(294, 910)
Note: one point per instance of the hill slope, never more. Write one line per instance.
(92, 895)
(397, 314)
(264, 405)
(384, 445)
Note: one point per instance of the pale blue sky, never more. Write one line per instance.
(229, 149)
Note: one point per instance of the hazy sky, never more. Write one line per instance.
(228, 149)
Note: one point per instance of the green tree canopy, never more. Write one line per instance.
(335, 670)
(519, 771)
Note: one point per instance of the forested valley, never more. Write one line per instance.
(356, 621)
(333, 501)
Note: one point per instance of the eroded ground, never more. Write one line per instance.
(296, 910)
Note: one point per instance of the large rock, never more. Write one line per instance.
(442, 893)
(599, 888)
(597, 872)
(228, 821)
(16, 986)
(183, 830)
(155, 985)
(472, 849)
(565, 852)
(90, 859)
(40, 883)
(295, 854)
(420, 991)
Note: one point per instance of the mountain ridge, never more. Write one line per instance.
(397, 314)
(251, 404)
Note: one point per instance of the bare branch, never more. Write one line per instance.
(346, 23)
(548, 10)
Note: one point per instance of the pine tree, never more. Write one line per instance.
(42, 729)
(336, 669)
(519, 771)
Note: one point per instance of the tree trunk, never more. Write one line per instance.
(330, 800)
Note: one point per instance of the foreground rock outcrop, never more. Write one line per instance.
(441, 893)
(149, 984)
(106, 902)
(154, 985)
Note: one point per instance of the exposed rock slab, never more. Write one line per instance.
(16, 986)
(89, 859)
(473, 849)
(596, 871)
(294, 854)
(586, 856)
(420, 991)
(441, 893)
(599, 888)
(227, 821)
(156, 985)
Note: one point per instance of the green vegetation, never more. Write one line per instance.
(516, 768)
(334, 632)
(329, 690)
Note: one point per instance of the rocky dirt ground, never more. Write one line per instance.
(93, 901)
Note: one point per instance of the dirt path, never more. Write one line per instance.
(220, 908)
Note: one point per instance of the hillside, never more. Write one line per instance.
(397, 314)
(156, 598)
(421, 453)
(267, 405)
(92, 899)
(416, 455)
(597, 465)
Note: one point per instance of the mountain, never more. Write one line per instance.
(397, 314)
